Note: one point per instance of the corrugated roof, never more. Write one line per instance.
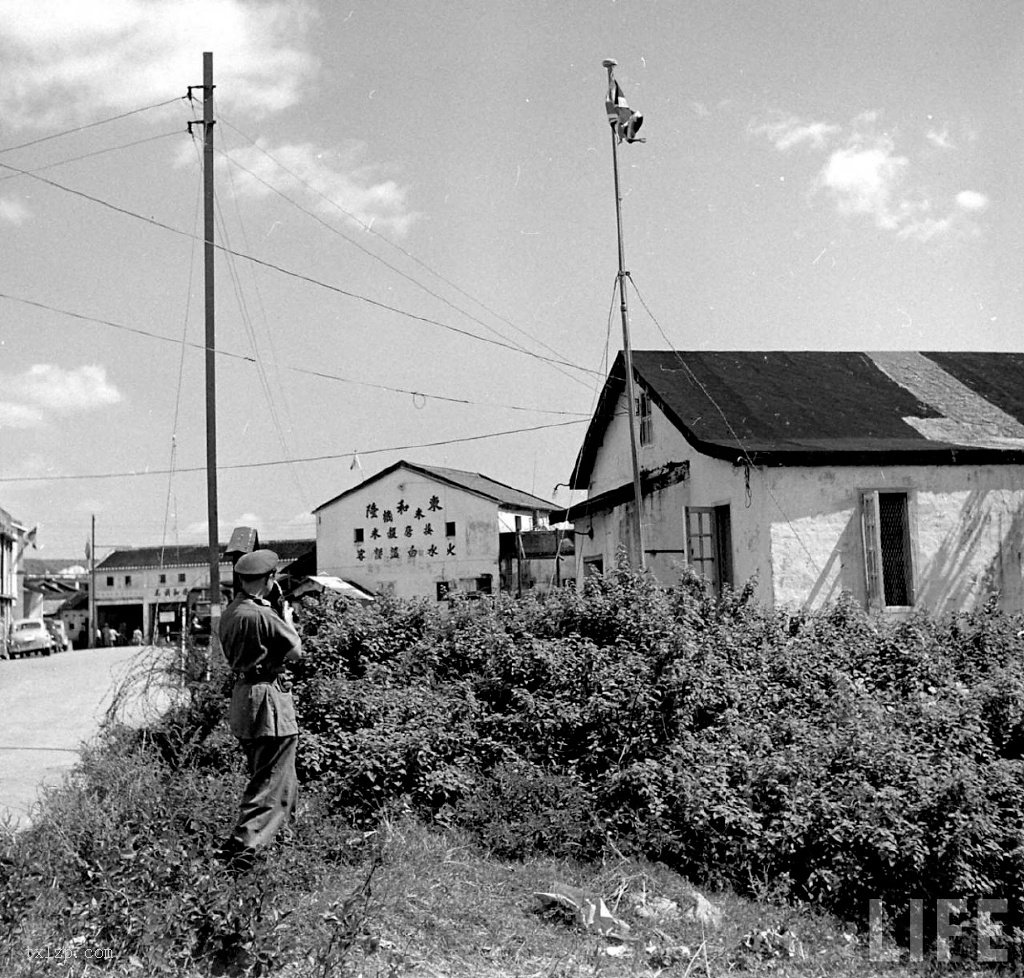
(470, 481)
(798, 408)
(192, 556)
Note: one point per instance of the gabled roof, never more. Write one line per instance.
(192, 556)
(805, 408)
(473, 482)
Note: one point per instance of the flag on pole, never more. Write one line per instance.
(626, 122)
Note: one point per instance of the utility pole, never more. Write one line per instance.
(211, 346)
(639, 560)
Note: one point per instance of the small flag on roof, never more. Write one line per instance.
(626, 122)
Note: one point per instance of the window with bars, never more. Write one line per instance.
(709, 544)
(888, 557)
(643, 412)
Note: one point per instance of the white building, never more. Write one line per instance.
(421, 531)
(147, 587)
(898, 477)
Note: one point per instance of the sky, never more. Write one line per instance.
(417, 237)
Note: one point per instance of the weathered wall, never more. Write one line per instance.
(406, 562)
(967, 533)
(798, 529)
(710, 483)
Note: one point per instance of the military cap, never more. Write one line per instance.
(256, 564)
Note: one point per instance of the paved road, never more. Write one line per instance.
(51, 705)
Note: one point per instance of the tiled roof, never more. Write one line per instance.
(799, 408)
(470, 481)
(192, 556)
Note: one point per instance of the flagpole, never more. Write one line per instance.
(640, 559)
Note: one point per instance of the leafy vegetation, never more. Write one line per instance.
(626, 737)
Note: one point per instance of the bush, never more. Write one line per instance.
(834, 756)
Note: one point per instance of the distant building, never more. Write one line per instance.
(45, 584)
(147, 587)
(8, 575)
(897, 477)
(425, 531)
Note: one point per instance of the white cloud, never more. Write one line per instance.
(863, 179)
(940, 139)
(19, 415)
(64, 60)
(46, 389)
(13, 211)
(865, 176)
(971, 200)
(331, 181)
(788, 132)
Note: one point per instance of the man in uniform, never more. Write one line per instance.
(258, 642)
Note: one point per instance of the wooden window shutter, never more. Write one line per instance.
(872, 549)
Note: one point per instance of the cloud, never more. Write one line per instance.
(45, 389)
(332, 181)
(940, 139)
(863, 179)
(971, 200)
(788, 132)
(865, 176)
(65, 60)
(19, 415)
(13, 211)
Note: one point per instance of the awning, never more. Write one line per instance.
(324, 582)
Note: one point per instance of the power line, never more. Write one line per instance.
(292, 274)
(290, 461)
(373, 255)
(323, 375)
(742, 447)
(97, 152)
(91, 125)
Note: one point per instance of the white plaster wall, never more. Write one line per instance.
(967, 530)
(798, 529)
(475, 543)
(711, 482)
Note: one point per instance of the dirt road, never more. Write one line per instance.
(51, 705)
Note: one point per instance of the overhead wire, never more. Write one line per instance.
(309, 279)
(605, 354)
(96, 152)
(308, 371)
(181, 372)
(250, 330)
(92, 125)
(369, 228)
(732, 431)
(290, 461)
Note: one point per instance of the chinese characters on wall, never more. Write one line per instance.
(404, 532)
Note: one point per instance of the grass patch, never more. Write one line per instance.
(118, 876)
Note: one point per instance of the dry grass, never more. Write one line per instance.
(439, 908)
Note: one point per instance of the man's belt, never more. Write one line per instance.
(258, 674)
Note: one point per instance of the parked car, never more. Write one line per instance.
(30, 636)
(59, 634)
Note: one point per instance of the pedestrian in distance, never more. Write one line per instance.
(259, 640)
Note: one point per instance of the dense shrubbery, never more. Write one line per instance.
(842, 759)
(823, 757)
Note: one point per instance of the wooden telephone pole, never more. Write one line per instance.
(209, 253)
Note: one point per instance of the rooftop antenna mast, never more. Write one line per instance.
(624, 123)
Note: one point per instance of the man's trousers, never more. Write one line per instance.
(270, 796)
